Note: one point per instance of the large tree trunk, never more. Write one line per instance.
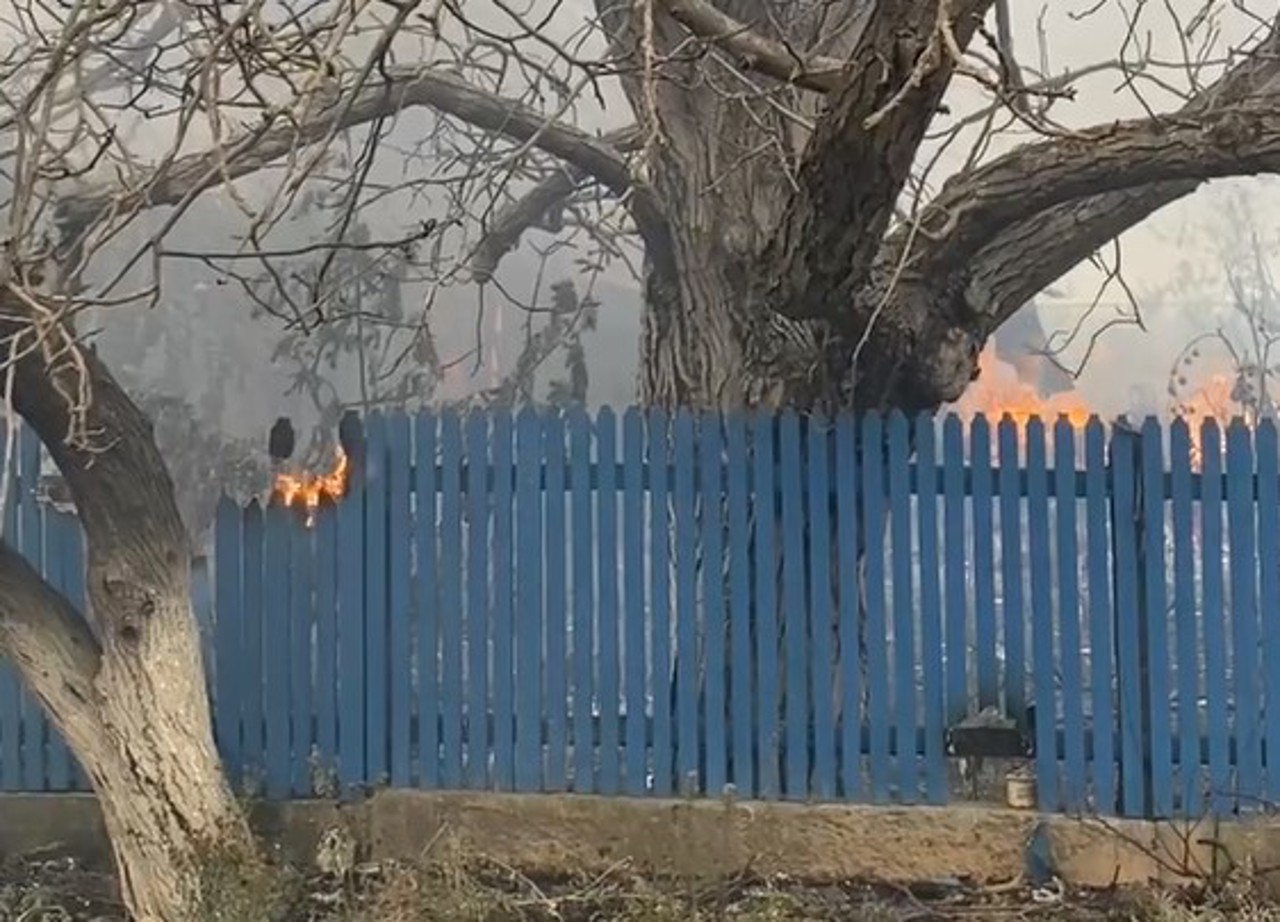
(176, 830)
(138, 722)
(124, 682)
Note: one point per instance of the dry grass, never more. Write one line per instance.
(449, 885)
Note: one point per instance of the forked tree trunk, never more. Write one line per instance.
(136, 716)
(124, 682)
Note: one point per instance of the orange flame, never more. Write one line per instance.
(999, 391)
(1214, 400)
(308, 489)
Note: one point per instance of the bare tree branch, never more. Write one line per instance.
(512, 221)
(503, 235)
(1009, 265)
(754, 51)
(861, 153)
(1238, 141)
(338, 109)
(1025, 258)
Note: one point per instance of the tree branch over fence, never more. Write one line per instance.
(1237, 141)
(1009, 263)
(503, 234)
(334, 110)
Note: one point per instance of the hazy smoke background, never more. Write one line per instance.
(203, 347)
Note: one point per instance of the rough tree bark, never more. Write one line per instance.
(125, 685)
(782, 285)
(772, 281)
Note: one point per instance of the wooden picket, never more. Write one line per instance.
(799, 607)
(1069, 633)
(1268, 455)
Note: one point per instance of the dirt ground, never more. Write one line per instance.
(457, 889)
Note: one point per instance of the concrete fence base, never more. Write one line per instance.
(554, 834)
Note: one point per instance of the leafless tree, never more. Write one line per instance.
(1231, 368)
(779, 173)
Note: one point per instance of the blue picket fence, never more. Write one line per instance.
(798, 607)
(33, 756)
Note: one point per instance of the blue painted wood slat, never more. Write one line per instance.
(584, 771)
(953, 471)
(276, 655)
(1157, 640)
(686, 615)
(399, 599)
(904, 609)
(300, 626)
(501, 631)
(1128, 618)
(848, 540)
(765, 613)
(427, 595)
(741, 672)
(794, 620)
(377, 691)
(451, 614)
(1011, 570)
(1214, 616)
(877, 683)
(1268, 459)
(326, 617)
(475, 719)
(352, 766)
(528, 602)
(822, 626)
(1185, 620)
(252, 675)
(1070, 642)
(607, 600)
(931, 615)
(1043, 673)
(633, 557)
(1243, 568)
(984, 588)
(660, 604)
(498, 640)
(1101, 631)
(557, 617)
(711, 508)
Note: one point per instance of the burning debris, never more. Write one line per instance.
(308, 490)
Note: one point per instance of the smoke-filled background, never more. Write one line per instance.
(1172, 317)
